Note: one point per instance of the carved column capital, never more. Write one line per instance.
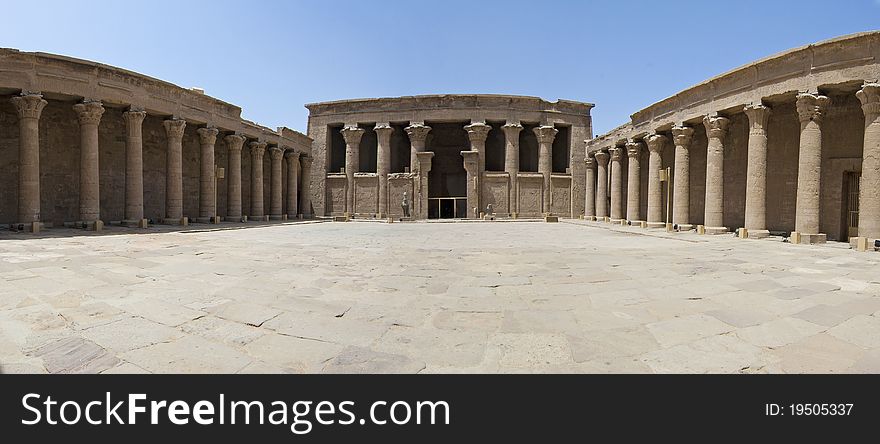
(207, 136)
(589, 161)
(616, 153)
(716, 126)
(545, 134)
(258, 149)
(352, 135)
(89, 113)
(417, 132)
(134, 117)
(512, 129)
(29, 105)
(601, 157)
(633, 149)
(758, 115)
(655, 142)
(234, 142)
(383, 130)
(682, 136)
(305, 161)
(477, 132)
(174, 128)
(811, 107)
(276, 152)
(292, 155)
(869, 95)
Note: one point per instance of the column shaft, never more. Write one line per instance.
(352, 135)
(590, 188)
(716, 129)
(306, 193)
(545, 135)
(383, 164)
(616, 184)
(258, 150)
(810, 110)
(511, 165)
(276, 199)
(29, 107)
(207, 192)
(656, 143)
(869, 191)
(89, 114)
(424, 159)
(756, 172)
(634, 181)
(234, 143)
(134, 165)
(681, 188)
(174, 129)
(601, 184)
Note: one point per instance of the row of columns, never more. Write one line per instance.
(474, 161)
(810, 110)
(29, 107)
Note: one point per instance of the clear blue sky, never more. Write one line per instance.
(271, 57)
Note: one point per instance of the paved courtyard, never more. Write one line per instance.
(434, 297)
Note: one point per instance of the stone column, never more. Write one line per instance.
(234, 142)
(601, 184)
(292, 184)
(134, 168)
(174, 173)
(633, 182)
(590, 188)
(655, 142)
(869, 191)
(306, 194)
(417, 133)
(511, 165)
(258, 150)
(545, 135)
(477, 134)
(681, 184)
(89, 115)
(383, 164)
(29, 107)
(352, 136)
(616, 185)
(716, 129)
(207, 192)
(275, 198)
(756, 173)
(810, 110)
(472, 165)
(424, 159)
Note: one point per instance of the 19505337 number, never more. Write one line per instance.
(808, 409)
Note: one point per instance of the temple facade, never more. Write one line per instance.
(452, 156)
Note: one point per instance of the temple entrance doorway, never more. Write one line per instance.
(851, 203)
(447, 181)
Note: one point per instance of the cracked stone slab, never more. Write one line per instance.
(519, 350)
(364, 360)
(687, 329)
(223, 331)
(716, 354)
(294, 355)
(188, 354)
(74, 355)
(778, 332)
(139, 332)
(862, 330)
(245, 313)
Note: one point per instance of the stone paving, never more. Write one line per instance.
(481, 297)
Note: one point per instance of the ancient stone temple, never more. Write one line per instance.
(84, 144)
(456, 155)
(788, 144)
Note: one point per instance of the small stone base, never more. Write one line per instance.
(807, 239)
(715, 230)
(29, 227)
(340, 218)
(655, 224)
(94, 225)
(685, 227)
(617, 221)
(136, 223)
(670, 227)
(637, 223)
(590, 218)
(183, 221)
(550, 218)
(864, 244)
(756, 234)
(513, 215)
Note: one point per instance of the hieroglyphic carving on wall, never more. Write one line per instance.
(335, 195)
(560, 192)
(530, 195)
(397, 184)
(366, 194)
(495, 193)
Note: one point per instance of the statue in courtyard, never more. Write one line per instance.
(490, 210)
(405, 205)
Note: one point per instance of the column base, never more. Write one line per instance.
(29, 227)
(96, 225)
(590, 218)
(183, 221)
(235, 219)
(258, 218)
(277, 217)
(344, 218)
(865, 243)
(514, 215)
(655, 224)
(745, 233)
(807, 239)
(135, 223)
(715, 230)
(617, 221)
(637, 223)
(549, 218)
